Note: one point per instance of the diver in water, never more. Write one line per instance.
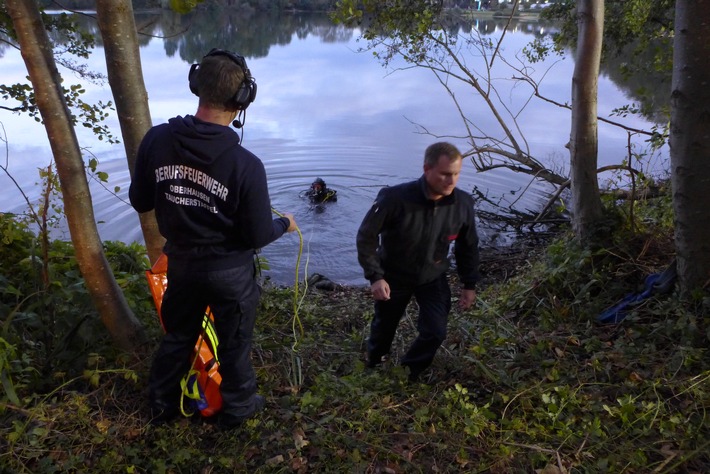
(319, 193)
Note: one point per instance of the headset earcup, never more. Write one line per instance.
(252, 89)
(192, 79)
(245, 94)
(242, 96)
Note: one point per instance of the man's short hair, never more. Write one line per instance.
(436, 150)
(218, 80)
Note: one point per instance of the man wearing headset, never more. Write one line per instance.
(212, 205)
(403, 247)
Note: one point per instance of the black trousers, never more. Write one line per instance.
(434, 300)
(232, 295)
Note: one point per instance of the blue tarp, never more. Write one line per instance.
(655, 284)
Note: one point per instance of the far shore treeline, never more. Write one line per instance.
(262, 5)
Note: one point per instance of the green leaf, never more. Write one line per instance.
(9, 388)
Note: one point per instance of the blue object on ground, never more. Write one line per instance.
(657, 283)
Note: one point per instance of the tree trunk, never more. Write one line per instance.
(586, 200)
(690, 143)
(125, 76)
(38, 56)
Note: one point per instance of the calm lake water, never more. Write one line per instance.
(325, 110)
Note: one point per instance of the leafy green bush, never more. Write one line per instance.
(51, 319)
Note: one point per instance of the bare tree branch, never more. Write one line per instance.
(505, 30)
(536, 93)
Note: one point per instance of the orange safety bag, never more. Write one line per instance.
(201, 384)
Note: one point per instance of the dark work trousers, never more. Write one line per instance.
(434, 300)
(232, 295)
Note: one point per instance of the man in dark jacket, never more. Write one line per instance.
(403, 246)
(212, 206)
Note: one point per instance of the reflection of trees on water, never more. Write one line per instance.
(650, 84)
(4, 44)
(248, 33)
(252, 34)
(486, 25)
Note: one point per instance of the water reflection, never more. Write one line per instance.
(322, 110)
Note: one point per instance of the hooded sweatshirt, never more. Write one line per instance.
(209, 193)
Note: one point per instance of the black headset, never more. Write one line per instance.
(246, 93)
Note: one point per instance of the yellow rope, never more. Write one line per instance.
(296, 322)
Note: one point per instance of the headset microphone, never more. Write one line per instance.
(237, 124)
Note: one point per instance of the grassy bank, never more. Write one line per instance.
(526, 381)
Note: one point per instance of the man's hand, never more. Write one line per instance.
(380, 290)
(291, 223)
(467, 298)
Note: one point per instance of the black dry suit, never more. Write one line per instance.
(407, 237)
